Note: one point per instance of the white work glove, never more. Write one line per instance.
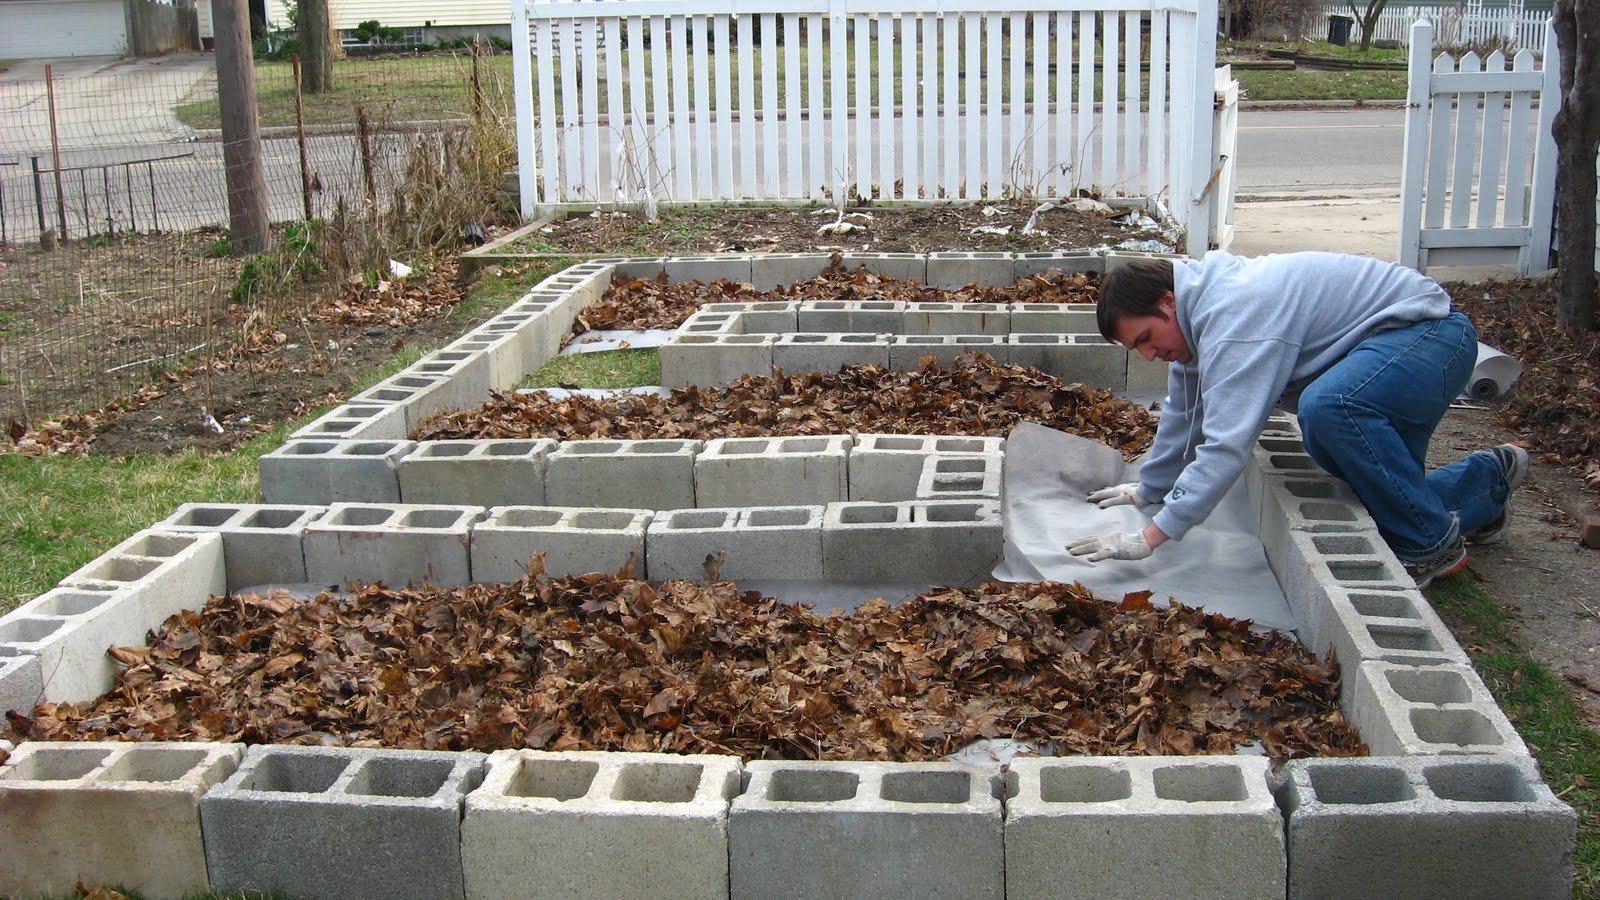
(1112, 546)
(1119, 495)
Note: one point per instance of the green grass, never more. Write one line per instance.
(604, 369)
(1541, 707)
(1303, 84)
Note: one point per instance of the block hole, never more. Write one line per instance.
(57, 765)
(869, 515)
(897, 443)
(27, 631)
(360, 516)
(69, 603)
(951, 512)
(1199, 784)
(777, 518)
(803, 445)
(1360, 785)
(1478, 783)
(1387, 606)
(530, 518)
(205, 516)
(741, 448)
(1342, 544)
(1084, 784)
(691, 518)
(272, 518)
(1437, 686)
(959, 465)
(122, 568)
(295, 773)
(160, 545)
(1461, 727)
(439, 449)
(657, 783)
(927, 787)
(1311, 490)
(959, 445)
(812, 786)
(593, 448)
(430, 518)
(1358, 570)
(369, 449)
(1402, 638)
(307, 448)
(399, 777)
(557, 779)
(146, 764)
(600, 520)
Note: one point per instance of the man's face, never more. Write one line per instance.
(1154, 337)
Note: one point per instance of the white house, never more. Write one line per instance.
(423, 21)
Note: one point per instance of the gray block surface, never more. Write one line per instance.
(573, 541)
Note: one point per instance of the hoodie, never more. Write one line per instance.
(1259, 331)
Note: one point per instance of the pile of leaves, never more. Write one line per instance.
(393, 304)
(638, 303)
(612, 663)
(977, 396)
(1553, 402)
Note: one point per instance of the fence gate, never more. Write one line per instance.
(1471, 192)
(636, 101)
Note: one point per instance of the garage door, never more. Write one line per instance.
(35, 29)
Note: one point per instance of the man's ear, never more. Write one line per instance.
(1168, 303)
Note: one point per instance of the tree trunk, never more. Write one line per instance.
(316, 52)
(241, 137)
(1369, 22)
(1576, 130)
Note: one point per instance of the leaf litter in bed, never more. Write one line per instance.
(603, 662)
(976, 396)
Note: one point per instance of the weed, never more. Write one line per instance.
(221, 248)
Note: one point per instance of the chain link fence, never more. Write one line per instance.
(115, 263)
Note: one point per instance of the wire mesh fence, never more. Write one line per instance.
(115, 262)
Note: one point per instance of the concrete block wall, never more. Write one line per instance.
(262, 544)
(712, 360)
(621, 825)
(324, 471)
(777, 542)
(21, 680)
(574, 541)
(889, 467)
(907, 350)
(950, 477)
(1425, 826)
(866, 829)
(827, 353)
(340, 822)
(104, 813)
(1404, 710)
(397, 544)
(929, 541)
(1143, 827)
(475, 472)
(652, 474)
(1086, 358)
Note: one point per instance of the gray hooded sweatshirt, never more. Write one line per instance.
(1260, 330)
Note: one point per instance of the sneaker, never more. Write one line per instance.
(1514, 463)
(1445, 563)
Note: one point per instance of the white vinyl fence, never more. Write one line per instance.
(1478, 183)
(1509, 27)
(662, 101)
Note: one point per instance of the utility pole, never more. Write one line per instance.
(316, 50)
(241, 134)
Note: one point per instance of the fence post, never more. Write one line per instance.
(38, 192)
(1541, 211)
(1202, 82)
(1414, 156)
(522, 74)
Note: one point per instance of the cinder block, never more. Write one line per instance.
(639, 268)
(1147, 375)
(574, 541)
(321, 472)
(340, 822)
(475, 472)
(866, 829)
(780, 471)
(770, 317)
(957, 318)
(579, 285)
(1425, 826)
(466, 375)
(1053, 318)
(536, 337)
(1287, 505)
(1079, 358)
(420, 396)
(907, 350)
(780, 542)
(113, 600)
(904, 266)
(21, 682)
(397, 544)
(1027, 264)
(774, 270)
(852, 316)
(616, 825)
(975, 477)
(959, 270)
(713, 360)
(1143, 827)
(1395, 626)
(933, 541)
(1405, 710)
(827, 353)
(261, 543)
(888, 467)
(364, 421)
(101, 813)
(654, 474)
(1316, 564)
(703, 322)
(706, 269)
(502, 351)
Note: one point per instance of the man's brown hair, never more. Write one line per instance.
(1132, 289)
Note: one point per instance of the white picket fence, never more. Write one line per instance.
(634, 101)
(1512, 26)
(1471, 191)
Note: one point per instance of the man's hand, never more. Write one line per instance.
(1119, 495)
(1112, 546)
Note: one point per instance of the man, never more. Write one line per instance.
(1372, 353)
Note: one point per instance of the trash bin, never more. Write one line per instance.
(1339, 30)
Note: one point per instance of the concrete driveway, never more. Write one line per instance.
(101, 102)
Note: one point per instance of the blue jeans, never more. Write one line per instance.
(1369, 419)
